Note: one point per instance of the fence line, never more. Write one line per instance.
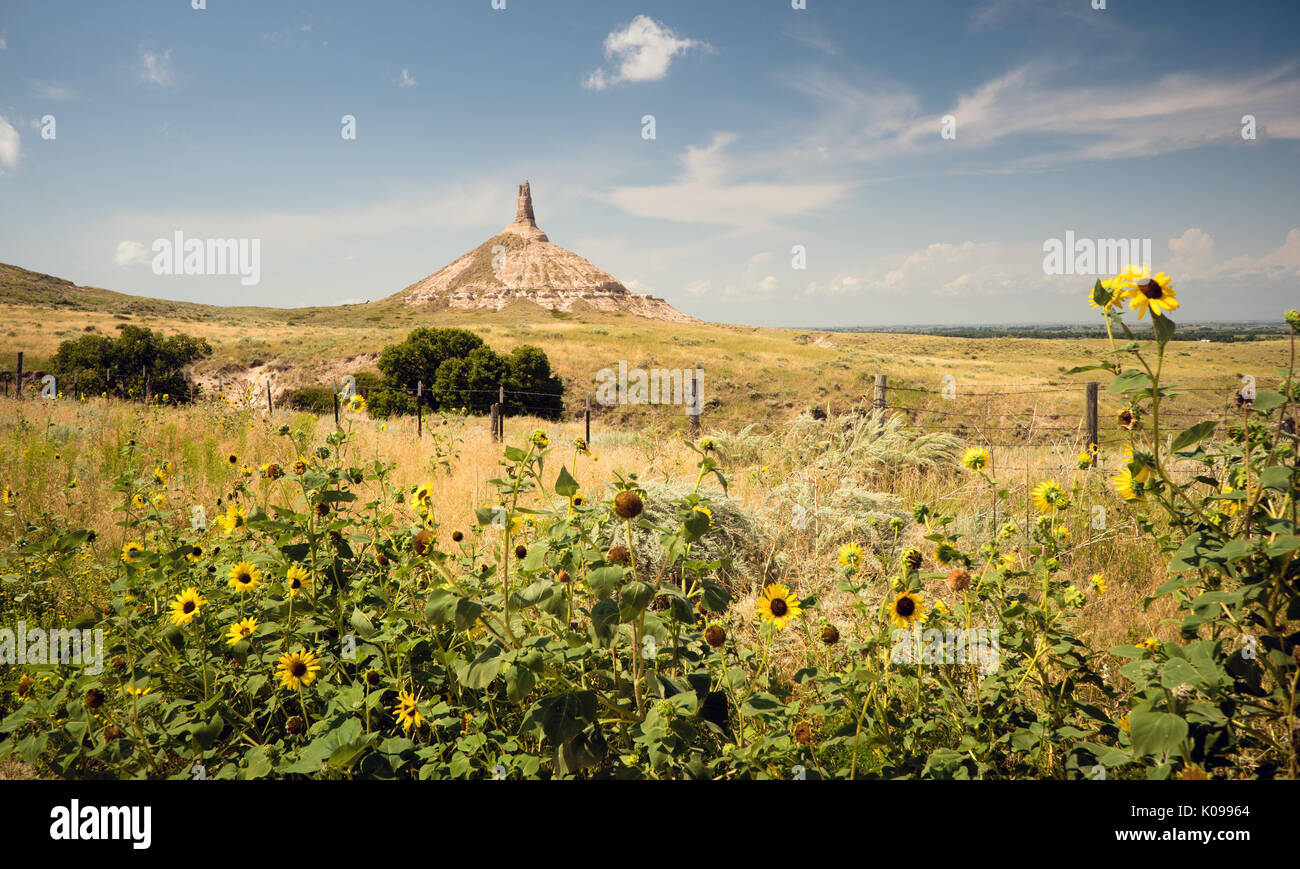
(987, 427)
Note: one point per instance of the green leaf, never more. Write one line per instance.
(565, 715)
(1193, 435)
(1164, 328)
(362, 624)
(483, 670)
(635, 597)
(604, 618)
(1156, 733)
(1276, 477)
(1130, 381)
(1267, 401)
(603, 580)
(565, 484)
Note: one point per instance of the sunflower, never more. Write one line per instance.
(234, 519)
(136, 691)
(159, 501)
(1098, 582)
(1147, 292)
(297, 670)
(976, 459)
(131, 551)
(1126, 486)
(1111, 284)
(1150, 644)
(777, 607)
(245, 577)
(240, 631)
(945, 553)
(1048, 496)
(8, 495)
(300, 466)
(160, 476)
(407, 713)
(907, 609)
(137, 501)
(186, 606)
(295, 578)
(850, 555)
(193, 554)
(232, 459)
(580, 444)
(357, 403)
(1083, 461)
(424, 493)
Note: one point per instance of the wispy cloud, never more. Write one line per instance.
(50, 91)
(707, 192)
(641, 51)
(10, 146)
(130, 253)
(156, 69)
(407, 80)
(1034, 124)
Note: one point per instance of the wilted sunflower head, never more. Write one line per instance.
(618, 554)
(912, 558)
(628, 505)
(830, 635)
(1127, 418)
(959, 579)
(715, 636)
(422, 542)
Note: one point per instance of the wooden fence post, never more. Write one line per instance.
(587, 417)
(336, 404)
(1093, 433)
(18, 381)
(269, 409)
(148, 384)
(496, 419)
(419, 408)
(878, 401)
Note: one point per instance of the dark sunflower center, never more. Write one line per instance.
(295, 584)
(188, 607)
(242, 579)
(1151, 289)
(298, 669)
(778, 607)
(196, 552)
(905, 607)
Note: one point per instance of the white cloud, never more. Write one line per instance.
(10, 146)
(130, 253)
(1193, 261)
(156, 69)
(699, 288)
(642, 51)
(49, 91)
(4, 45)
(946, 270)
(706, 193)
(1042, 125)
(407, 80)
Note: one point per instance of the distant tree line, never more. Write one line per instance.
(138, 359)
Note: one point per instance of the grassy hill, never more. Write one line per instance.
(751, 374)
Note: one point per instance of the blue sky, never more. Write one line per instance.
(774, 128)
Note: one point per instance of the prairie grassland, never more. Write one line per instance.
(750, 373)
(73, 462)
